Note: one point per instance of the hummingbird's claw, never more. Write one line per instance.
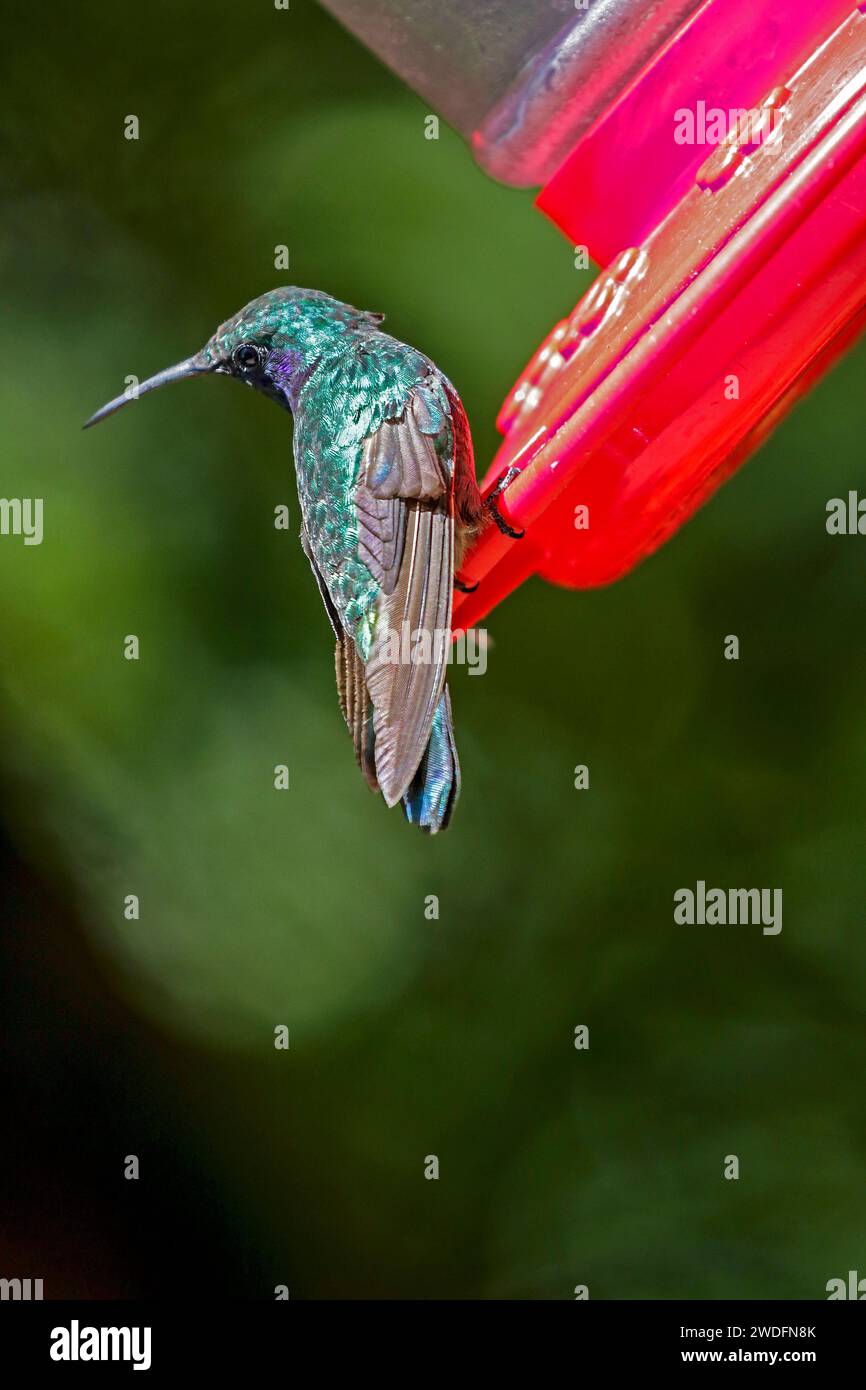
(490, 504)
(464, 587)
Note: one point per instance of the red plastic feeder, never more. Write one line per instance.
(736, 266)
(743, 277)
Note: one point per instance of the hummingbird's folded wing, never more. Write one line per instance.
(405, 517)
(355, 704)
(351, 680)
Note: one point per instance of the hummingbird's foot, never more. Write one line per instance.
(464, 587)
(490, 504)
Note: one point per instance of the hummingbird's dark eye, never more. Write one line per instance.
(246, 357)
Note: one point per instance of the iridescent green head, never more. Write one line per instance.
(272, 344)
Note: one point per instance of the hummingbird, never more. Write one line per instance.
(388, 499)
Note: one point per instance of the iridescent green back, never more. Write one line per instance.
(366, 381)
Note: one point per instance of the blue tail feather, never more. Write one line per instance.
(435, 787)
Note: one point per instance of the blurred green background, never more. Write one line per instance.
(409, 1037)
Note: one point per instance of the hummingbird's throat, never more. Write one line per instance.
(289, 370)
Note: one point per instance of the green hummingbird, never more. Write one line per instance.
(388, 497)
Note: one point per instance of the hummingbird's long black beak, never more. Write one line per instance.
(191, 366)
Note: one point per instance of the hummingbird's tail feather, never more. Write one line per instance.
(432, 795)
(356, 706)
